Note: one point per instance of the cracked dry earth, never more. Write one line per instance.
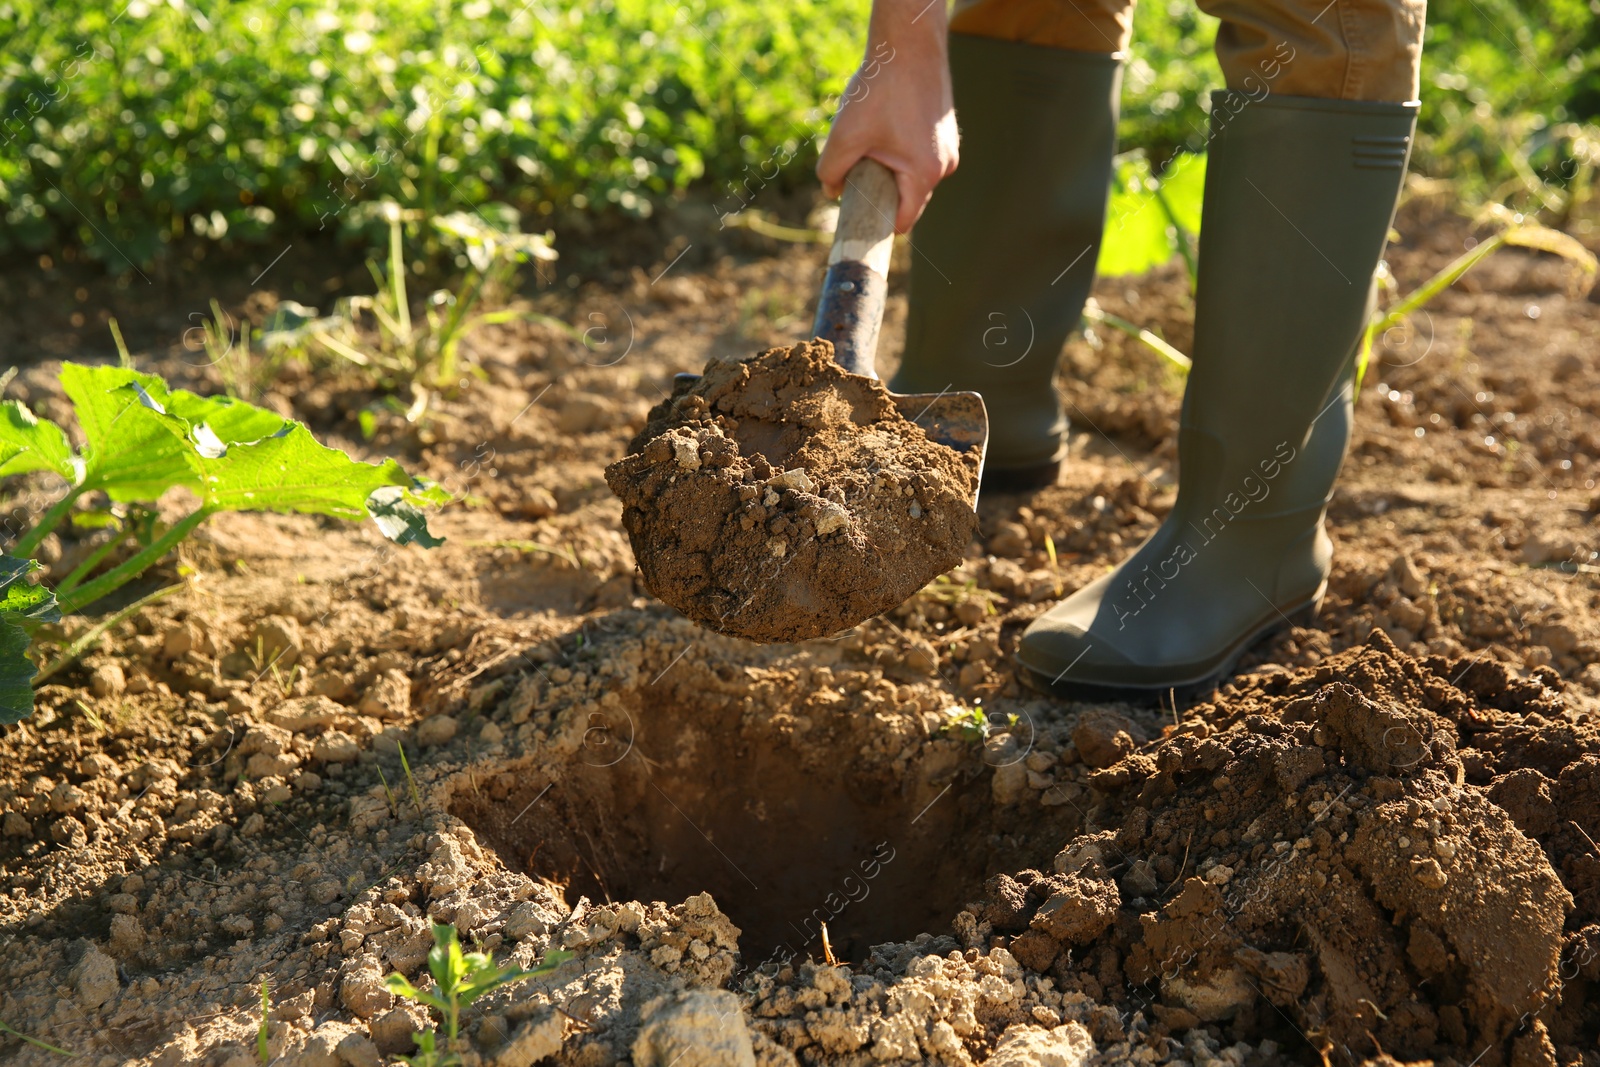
(1377, 845)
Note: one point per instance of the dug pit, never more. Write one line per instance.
(672, 792)
(782, 499)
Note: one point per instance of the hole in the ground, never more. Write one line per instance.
(680, 801)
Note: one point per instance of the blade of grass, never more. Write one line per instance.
(263, 1047)
(397, 278)
(394, 809)
(1094, 313)
(4, 1029)
(411, 782)
(339, 348)
(757, 222)
(124, 357)
(1446, 277)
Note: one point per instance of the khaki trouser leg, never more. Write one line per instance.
(1076, 25)
(1368, 50)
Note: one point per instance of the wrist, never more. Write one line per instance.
(917, 27)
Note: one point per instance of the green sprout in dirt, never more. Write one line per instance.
(396, 348)
(263, 1045)
(416, 797)
(459, 979)
(972, 725)
(140, 439)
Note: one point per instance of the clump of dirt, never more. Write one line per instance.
(782, 498)
(1318, 857)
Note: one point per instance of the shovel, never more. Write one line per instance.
(850, 312)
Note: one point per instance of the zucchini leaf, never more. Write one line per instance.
(21, 602)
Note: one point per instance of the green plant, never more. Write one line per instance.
(411, 782)
(459, 978)
(1514, 230)
(1151, 218)
(263, 1047)
(377, 332)
(22, 606)
(142, 439)
(257, 117)
(973, 725)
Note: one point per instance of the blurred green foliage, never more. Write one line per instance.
(126, 125)
(124, 131)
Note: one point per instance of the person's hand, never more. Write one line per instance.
(898, 108)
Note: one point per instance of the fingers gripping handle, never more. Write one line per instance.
(851, 307)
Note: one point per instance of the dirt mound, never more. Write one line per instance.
(783, 499)
(1322, 862)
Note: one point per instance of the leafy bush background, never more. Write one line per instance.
(122, 128)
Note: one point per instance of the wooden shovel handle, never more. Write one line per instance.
(850, 310)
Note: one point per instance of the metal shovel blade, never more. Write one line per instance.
(955, 420)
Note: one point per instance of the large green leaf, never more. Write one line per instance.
(1139, 233)
(131, 451)
(293, 472)
(24, 600)
(143, 439)
(16, 673)
(229, 421)
(1136, 237)
(1183, 187)
(20, 601)
(29, 443)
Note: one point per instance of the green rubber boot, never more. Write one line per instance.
(1004, 256)
(1299, 196)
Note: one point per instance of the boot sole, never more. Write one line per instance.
(1179, 691)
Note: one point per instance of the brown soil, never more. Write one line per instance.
(782, 499)
(1376, 845)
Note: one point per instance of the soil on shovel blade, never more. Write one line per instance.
(783, 498)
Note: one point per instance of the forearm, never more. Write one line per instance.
(912, 30)
(898, 107)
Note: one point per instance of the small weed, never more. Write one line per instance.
(967, 724)
(285, 681)
(947, 591)
(263, 1049)
(378, 332)
(973, 725)
(1511, 230)
(394, 808)
(459, 978)
(416, 798)
(565, 552)
(1055, 563)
